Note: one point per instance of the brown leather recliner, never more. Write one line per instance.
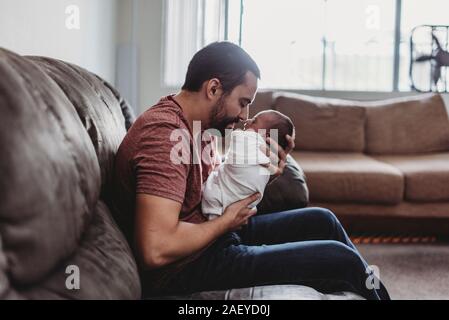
(60, 127)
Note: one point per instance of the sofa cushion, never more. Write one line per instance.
(289, 191)
(407, 125)
(324, 124)
(367, 213)
(102, 255)
(350, 177)
(426, 176)
(98, 108)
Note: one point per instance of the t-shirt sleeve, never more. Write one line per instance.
(161, 161)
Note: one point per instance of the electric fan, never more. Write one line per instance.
(429, 58)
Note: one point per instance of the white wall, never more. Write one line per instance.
(38, 27)
(142, 26)
(149, 38)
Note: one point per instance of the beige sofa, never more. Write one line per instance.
(380, 166)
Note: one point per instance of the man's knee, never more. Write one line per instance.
(346, 258)
(324, 216)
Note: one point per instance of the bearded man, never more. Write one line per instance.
(157, 198)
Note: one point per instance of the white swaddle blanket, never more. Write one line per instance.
(239, 176)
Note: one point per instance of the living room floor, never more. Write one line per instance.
(411, 271)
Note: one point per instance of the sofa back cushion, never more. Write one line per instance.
(99, 107)
(324, 124)
(407, 126)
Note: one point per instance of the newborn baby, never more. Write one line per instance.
(244, 171)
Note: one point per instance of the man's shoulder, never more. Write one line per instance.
(165, 112)
(161, 123)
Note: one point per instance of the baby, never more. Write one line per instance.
(245, 169)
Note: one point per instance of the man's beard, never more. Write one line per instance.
(219, 120)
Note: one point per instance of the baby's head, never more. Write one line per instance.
(271, 119)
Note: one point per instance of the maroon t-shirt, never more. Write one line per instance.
(157, 157)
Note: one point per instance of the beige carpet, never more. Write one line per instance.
(411, 271)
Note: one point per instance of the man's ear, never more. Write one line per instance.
(213, 88)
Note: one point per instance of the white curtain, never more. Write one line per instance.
(189, 25)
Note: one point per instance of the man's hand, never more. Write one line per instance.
(238, 213)
(278, 156)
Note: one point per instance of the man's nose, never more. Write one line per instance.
(244, 115)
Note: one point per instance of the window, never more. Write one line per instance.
(356, 45)
(359, 45)
(286, 41)
(313, 44)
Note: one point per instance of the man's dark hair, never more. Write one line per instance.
(222, 60)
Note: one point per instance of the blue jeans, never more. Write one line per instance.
(303, 246)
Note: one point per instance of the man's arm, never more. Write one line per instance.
(162, 239)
